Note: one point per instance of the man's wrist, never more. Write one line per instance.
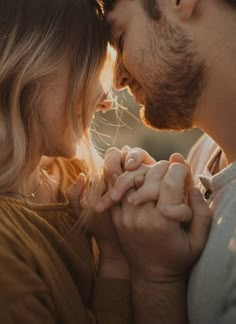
(114, 267)
(160, 301)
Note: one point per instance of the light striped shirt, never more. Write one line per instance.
(212, 286)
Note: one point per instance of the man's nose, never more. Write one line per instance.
(122, 77)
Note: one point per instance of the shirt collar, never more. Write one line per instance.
(218, 180)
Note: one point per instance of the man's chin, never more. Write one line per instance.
(138, 95)
(158, 121)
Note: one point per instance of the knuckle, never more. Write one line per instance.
(123, 178)
(139, 180)
(152, 192)
(162, 163)
(158, 170)
(179, 168)
(163, 209)
(169, 185)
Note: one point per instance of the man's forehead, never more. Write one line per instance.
(109, 5)
(151, 7)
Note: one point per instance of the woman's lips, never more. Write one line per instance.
(106, 102)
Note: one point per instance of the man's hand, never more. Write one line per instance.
(159, 249)
(137, 164)
(157, 246)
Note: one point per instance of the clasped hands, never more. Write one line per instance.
(151, 222)
(161, 220)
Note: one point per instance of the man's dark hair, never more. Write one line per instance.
(150, 6)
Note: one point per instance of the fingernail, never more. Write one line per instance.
(114, 194)
(130, 162)
(125, 148)
(99, 207)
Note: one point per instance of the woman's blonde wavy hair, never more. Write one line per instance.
(34, 37)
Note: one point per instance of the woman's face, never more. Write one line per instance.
(57, 136)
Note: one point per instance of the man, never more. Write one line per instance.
(178, 59)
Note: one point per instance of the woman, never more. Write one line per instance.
(51, 57)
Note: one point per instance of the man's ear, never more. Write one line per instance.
(184, 8)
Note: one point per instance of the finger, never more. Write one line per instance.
(127, 181)
(202, 217)
(120, 216)
(151, 187)
(76, 191)
(178, 158)
(181, 213)
(113, 163)
(173, 185)
(139, 180)
(137, 156)
(125, 149)
(104, 203)
(129, 211)
(144, 194)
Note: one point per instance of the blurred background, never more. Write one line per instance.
(122, 126)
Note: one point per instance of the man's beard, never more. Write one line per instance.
(175, 85)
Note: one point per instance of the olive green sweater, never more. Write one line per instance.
(47, 269)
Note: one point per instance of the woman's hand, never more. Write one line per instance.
(133, 162)
(127, 159)
(126, 181)
(112, 262)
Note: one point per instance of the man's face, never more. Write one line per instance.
(158, 62)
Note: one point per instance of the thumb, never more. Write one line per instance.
(177, 158)
(201, 221)
(137, 156)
